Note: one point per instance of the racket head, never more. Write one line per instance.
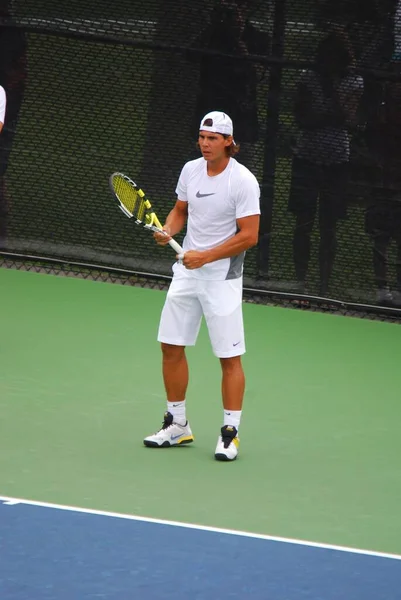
(133, 203)
(131, 199)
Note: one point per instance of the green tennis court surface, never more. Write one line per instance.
(80, 386)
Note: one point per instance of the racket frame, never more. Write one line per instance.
(154, 224)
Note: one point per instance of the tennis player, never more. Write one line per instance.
(3, 103)
(218, 199)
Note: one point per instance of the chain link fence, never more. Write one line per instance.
(314, 92)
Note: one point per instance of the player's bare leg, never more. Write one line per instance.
(175, 372)
(232, 388)
(233, 383)
(175, 429)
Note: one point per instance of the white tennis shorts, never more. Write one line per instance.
(220, 302)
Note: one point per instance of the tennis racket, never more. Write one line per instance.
(135, 205)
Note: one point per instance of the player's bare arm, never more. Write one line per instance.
(247, 236)
(175, 222)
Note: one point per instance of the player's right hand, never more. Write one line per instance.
(162, 238)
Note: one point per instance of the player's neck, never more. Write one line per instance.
(215, 167)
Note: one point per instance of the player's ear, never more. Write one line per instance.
(229, 140)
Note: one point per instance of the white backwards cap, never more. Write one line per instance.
(217, 122)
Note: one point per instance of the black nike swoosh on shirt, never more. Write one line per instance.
(199, 195)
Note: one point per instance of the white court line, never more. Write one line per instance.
(89, 511)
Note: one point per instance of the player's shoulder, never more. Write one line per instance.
(241, 172)
(194, 165)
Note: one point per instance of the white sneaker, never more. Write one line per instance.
(227, 444)
(171, 434)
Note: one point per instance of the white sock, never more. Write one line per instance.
(232, 417)
(177, 409)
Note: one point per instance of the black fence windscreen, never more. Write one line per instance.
(313, 88)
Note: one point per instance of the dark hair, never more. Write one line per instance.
(231, 150)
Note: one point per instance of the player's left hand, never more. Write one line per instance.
(194, 259)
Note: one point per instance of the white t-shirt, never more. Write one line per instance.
(3, 103)
(214, 205)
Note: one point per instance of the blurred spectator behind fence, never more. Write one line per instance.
(229, 84)
(325, 108)
(12, 78)
(383, 215)
(375, 30)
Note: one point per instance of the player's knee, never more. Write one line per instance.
(231, 364)
(172, 353)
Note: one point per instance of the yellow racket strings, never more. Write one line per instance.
(134, 201)
(130, 196)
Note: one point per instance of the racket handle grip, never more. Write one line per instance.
(176, 246)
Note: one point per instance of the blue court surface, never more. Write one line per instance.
(66, 553)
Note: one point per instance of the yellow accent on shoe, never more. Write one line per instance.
(183, 440)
